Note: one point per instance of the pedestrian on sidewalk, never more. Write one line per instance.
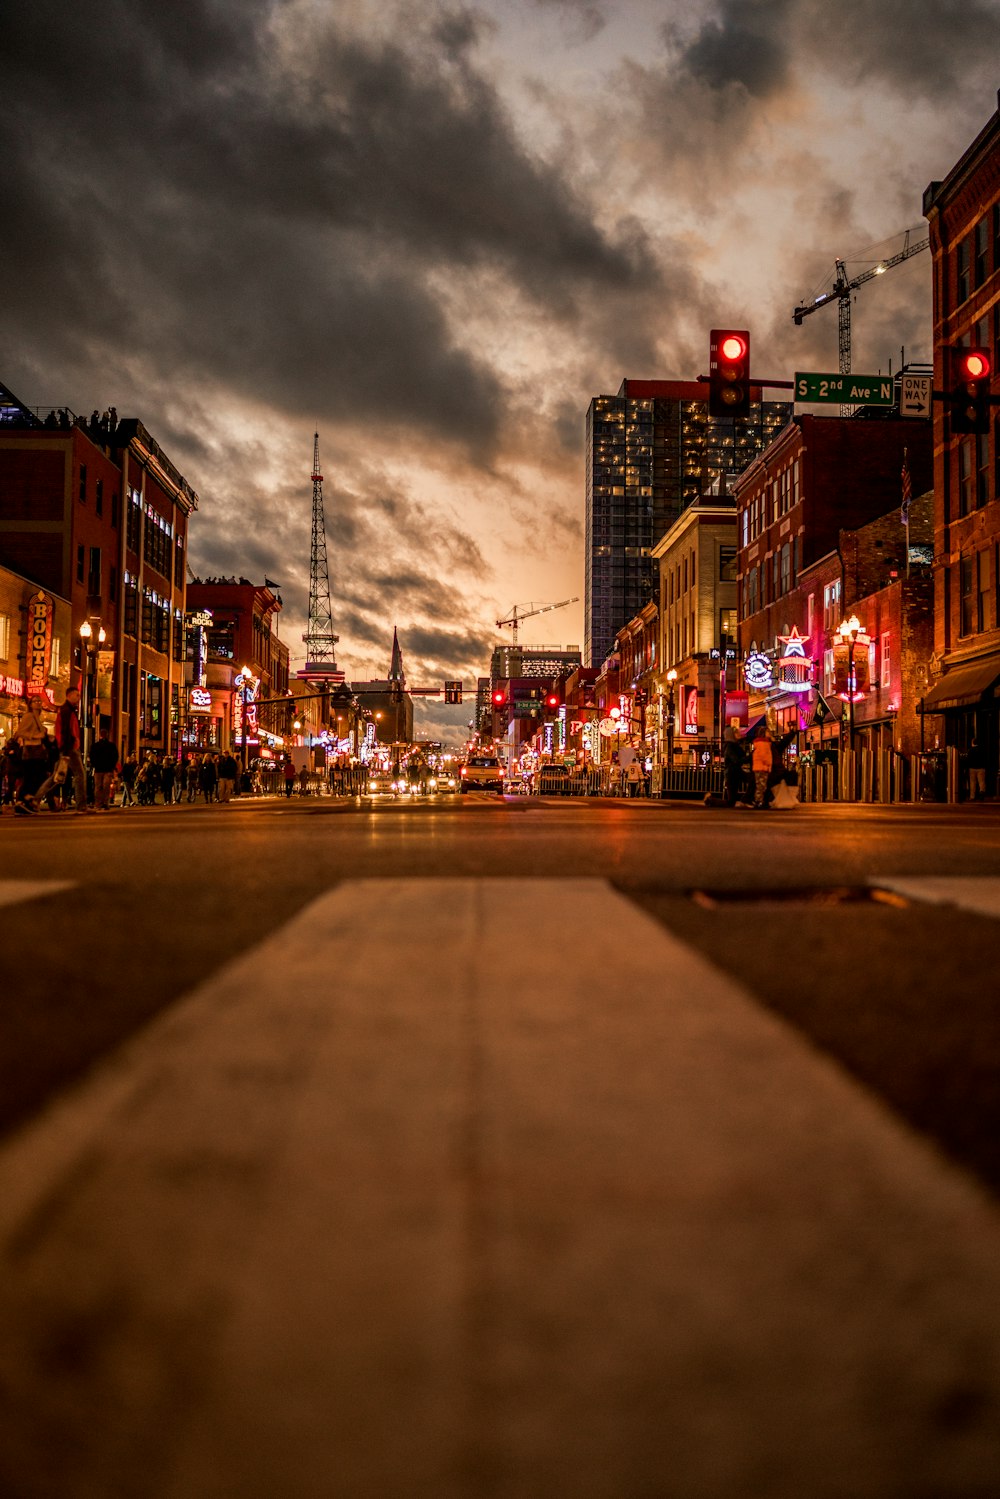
(762, 762)
(30, 736)
(976, 762)
(103, 762)
(734, 759)
(130, 769)
(69, 739)
(288, 771)
(207, 777)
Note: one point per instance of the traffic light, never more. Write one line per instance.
(729, 372)
(499, 698)
(552, 699)
(453, 692)
(969, 399)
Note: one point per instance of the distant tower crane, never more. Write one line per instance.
(514, 618)
(840, 292)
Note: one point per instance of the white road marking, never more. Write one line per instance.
(979, 894)
(454, 1187)
(13, 892)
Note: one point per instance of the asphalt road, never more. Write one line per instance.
(486, 1148)
(902, 993)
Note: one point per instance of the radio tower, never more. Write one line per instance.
(321, 656)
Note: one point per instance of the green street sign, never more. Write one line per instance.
(846, 390)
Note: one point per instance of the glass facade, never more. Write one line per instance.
(648, 457)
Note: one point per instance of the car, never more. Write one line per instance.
(482, 773)
(382, 785)
(444, 781)
(552, 780)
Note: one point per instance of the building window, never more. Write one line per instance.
(967, 596)
(727, 627)
(982, 442)
(962, 267)
(56, 659)
(979, 264)
(133, 529)
(727, 564)
(83, 484)
(885, 663)
(94, 573)
(4, 636)
(786, 569)
(831, 605)
(982, 590)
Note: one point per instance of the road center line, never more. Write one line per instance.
(477, 1186)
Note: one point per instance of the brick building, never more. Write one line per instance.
(232, 626)
(963, 213)
(819, 529)
(36, 649)
(95, 512)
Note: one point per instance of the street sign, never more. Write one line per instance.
(845, 390)
(915, 395)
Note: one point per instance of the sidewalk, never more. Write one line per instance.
(407, 1204)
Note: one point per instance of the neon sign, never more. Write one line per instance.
(690, 714)
(200, 700)
(758, 672)
(41, 612)
(794, 666)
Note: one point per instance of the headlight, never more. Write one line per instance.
(372, 788)
(432, 783)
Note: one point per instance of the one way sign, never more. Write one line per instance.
(915, 395)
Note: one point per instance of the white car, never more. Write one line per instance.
(482, 773)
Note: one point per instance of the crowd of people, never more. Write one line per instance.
(43, 769)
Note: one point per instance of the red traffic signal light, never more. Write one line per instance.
(552, 700)
(729, 372)
(969, 398)
(499, 698)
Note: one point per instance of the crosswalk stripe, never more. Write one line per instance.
(461, 1186)
(13, 892)
(973, 893)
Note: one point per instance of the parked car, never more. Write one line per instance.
(552, 780)
(482, 773)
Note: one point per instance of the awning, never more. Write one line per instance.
(963, 686)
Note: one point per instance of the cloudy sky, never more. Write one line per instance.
(434, 230)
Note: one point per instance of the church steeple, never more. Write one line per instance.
(396, 672)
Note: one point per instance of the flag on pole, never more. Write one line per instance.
(907, 484)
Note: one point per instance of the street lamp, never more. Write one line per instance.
(671, 679)
(88, 663)
(849, 630)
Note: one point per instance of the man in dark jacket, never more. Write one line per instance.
(103, 762)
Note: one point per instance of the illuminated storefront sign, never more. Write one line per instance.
(41, 614)
(689, 714)
(794, 666)
(12, 686)
(758, 673)
(200, 700)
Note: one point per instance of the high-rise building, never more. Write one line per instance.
(651, 451)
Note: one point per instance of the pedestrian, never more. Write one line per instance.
(762, 761)
(977, 771)
(633, 779)
(168, 773)
(228, 771)
(32, 767)
(103, 762)
(734, 759)
(304, 780)
(207, 777)
(288, 771)
(130, 769)
(70, 763)
(778, 773)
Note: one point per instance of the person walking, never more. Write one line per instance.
(976, 762)
(69, 739)
(734, 759)
(762, 762)
(288, 771)
(228, 771)
(103, 762)
(168, 773)
(207, 777)
(30, 736)
(130, 769)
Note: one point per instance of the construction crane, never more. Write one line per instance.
(514, 618)
(840, 292)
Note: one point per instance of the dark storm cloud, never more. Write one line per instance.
(746, 44)
(268, 211)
